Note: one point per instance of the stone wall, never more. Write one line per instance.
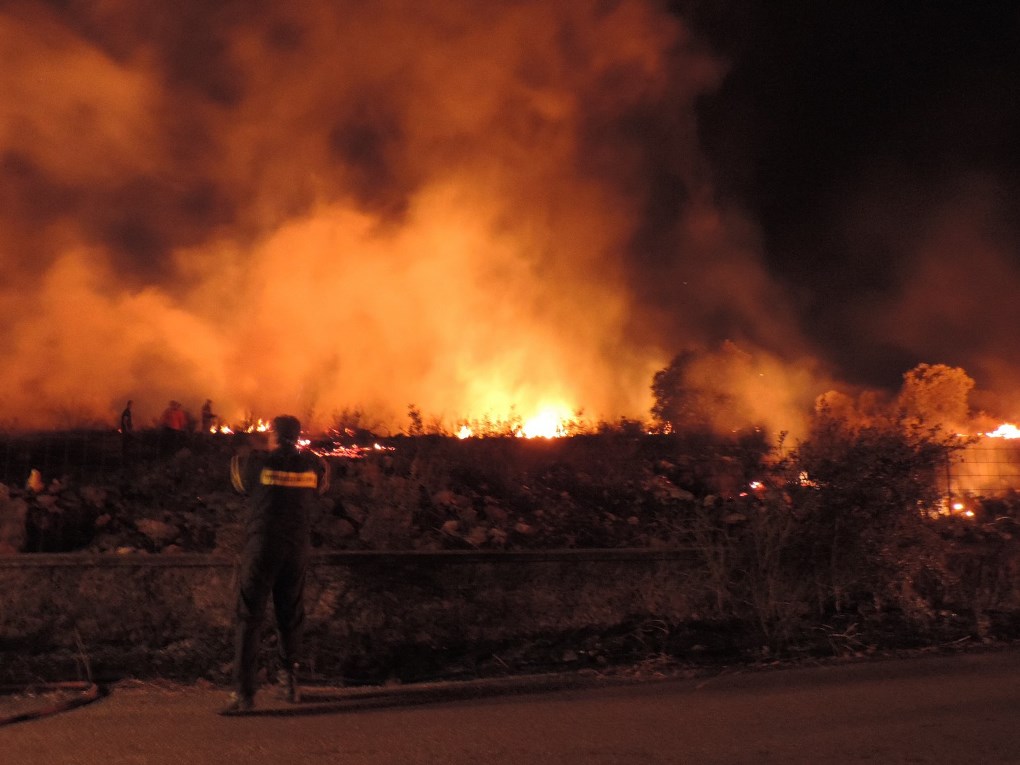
(410, 616)
(372, 617)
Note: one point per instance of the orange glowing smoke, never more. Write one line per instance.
(321, 205)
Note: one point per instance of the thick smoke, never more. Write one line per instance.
(315, 205)
(947, 294)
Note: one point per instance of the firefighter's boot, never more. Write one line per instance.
(287, 678)
(238, 703)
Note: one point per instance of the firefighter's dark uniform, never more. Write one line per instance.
(282, 486)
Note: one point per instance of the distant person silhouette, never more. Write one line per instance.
(207, 416)
(127, 431)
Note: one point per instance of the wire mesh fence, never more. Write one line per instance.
(84, 455)
(990, 468)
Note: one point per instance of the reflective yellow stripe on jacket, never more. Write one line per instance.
(306, 480)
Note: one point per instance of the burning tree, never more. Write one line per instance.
(680, 404)
(728, 389)
(937, 395)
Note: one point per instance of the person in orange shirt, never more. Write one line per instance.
(174, 422)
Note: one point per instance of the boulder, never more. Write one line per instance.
(159, 532)
(12, 522)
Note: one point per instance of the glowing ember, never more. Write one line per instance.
(353, 452)
(1005, 430)
(805, 480)
(956, 508)
(755, 486)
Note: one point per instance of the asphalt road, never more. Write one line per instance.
(939, 709)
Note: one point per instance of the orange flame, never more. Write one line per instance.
(1005, 430)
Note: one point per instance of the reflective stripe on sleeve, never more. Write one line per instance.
(306, 480)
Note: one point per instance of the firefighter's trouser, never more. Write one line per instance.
(280, 571)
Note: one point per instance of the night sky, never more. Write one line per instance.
(528, 205)
(853, 132)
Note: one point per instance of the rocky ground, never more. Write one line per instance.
(610, 490)
(425, 493)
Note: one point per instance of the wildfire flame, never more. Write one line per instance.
(255, 426)
(548, 423)
(551, 421)
(1005, 430)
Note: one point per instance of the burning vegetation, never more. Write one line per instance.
(867, 517)
(841, 531)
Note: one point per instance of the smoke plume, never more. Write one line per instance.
(306, 206)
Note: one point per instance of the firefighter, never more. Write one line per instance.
(174, 417)
(207, 416)
(282, 485)
(127, 430)
(174, 422)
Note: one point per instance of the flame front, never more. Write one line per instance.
(550, 422)
(1005, 430)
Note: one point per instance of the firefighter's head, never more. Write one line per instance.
(287, 429)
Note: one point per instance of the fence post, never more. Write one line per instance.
(949, 482)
